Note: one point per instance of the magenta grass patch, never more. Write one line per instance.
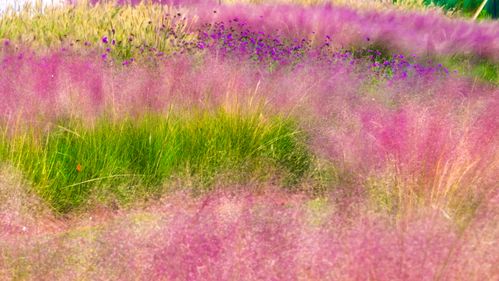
(404, 149)
(271, 236)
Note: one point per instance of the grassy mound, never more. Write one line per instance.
(132, 158)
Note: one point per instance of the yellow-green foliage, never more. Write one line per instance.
(147, 25)
(318, 211)
(132, 158)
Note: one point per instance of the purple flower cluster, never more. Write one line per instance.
(235, 39)
(404, 32)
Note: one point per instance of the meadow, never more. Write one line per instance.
(244, 140)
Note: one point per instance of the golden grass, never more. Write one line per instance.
(132, 28)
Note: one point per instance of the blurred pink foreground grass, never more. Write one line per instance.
(268, 235)
(415, 195)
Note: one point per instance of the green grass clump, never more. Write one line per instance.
(487, 71)
(134, 157)
(479, 68)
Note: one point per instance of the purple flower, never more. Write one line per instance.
(104, 56)
(113, 42)
(105, 40)
(108, 50)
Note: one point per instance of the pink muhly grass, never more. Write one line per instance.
(212, 243)
(21, 212)
(50, 86)
(269, 236)
(436, 134)
(411, 32)
(431, 152)
(161, 2)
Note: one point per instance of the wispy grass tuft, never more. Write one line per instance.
(128, 31)
(133, 158)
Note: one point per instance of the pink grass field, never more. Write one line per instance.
(412, 32)
(403, 184)
(266, 236)
(418, 200)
